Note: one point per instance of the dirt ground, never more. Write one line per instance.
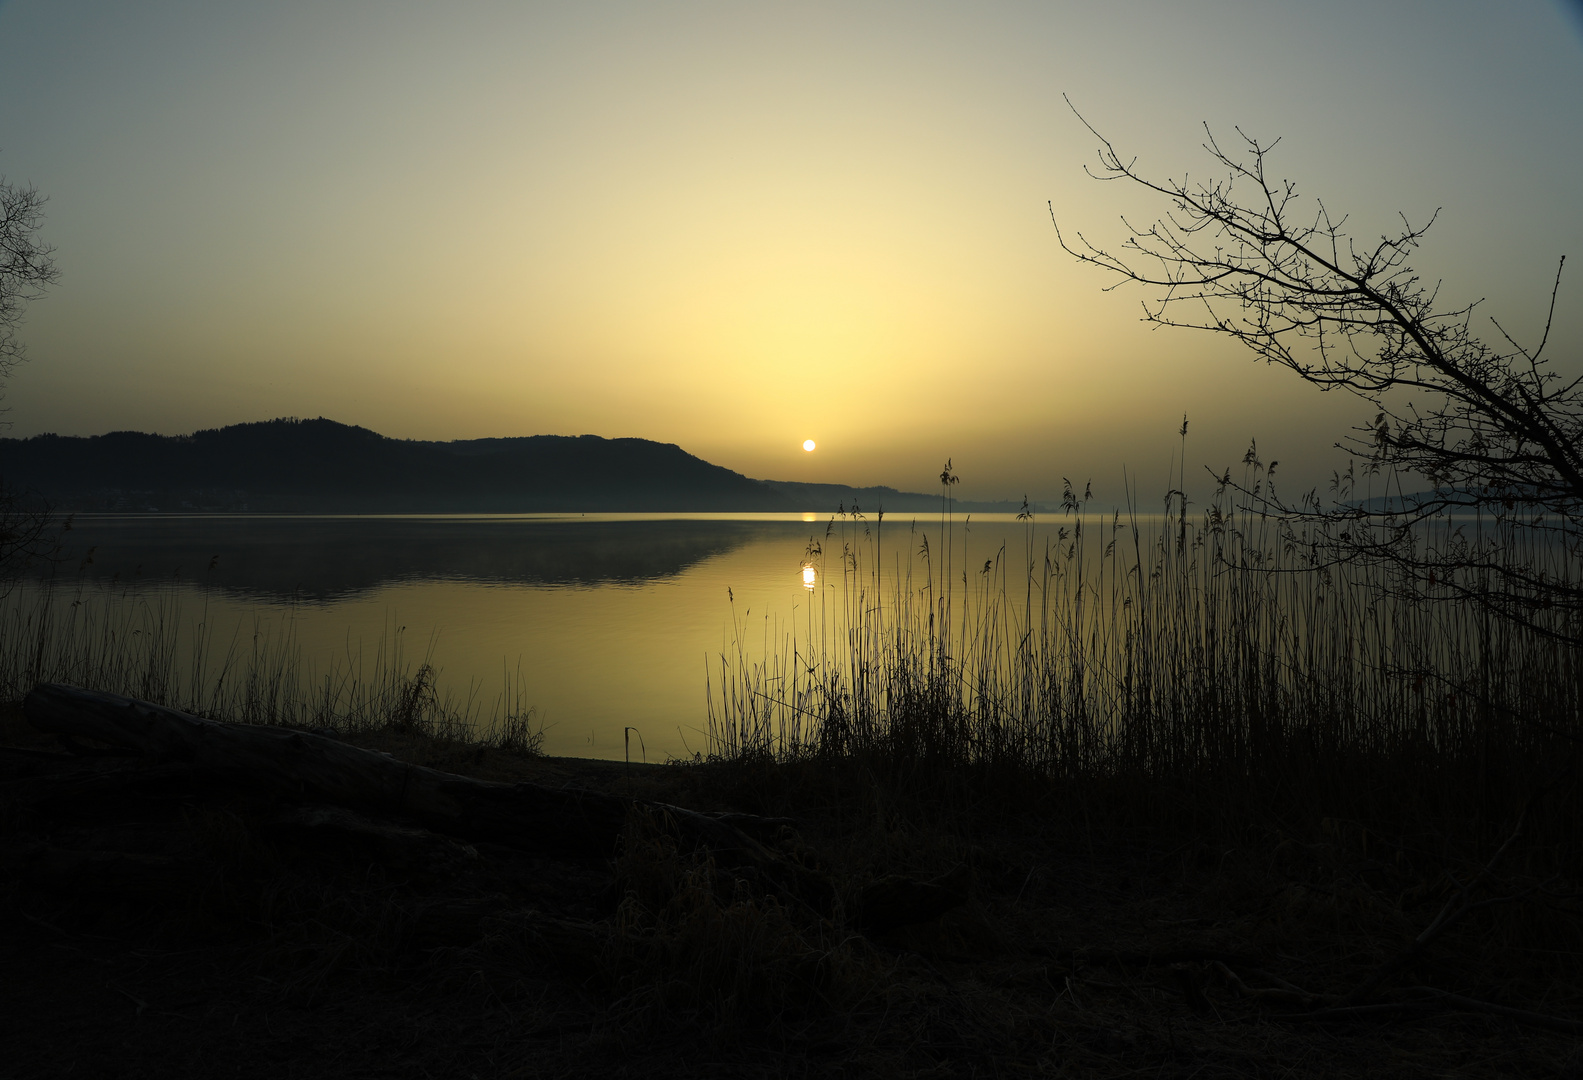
(161, 926)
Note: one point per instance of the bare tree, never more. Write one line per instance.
(26, 530)
(25, 266)
(1492, 431)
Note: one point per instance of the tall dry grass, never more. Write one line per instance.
(139, 640)
(1215, 664)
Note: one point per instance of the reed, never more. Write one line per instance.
(137, 640)
(1198, 665)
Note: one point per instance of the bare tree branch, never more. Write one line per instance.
(25, 266)
(1495, 434)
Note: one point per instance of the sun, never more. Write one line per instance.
(808, 445)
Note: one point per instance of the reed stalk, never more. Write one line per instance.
(137, 640)
(1217, 652)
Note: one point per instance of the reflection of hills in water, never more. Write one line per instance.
(331, 557)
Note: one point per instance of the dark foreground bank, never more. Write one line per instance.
(164, 918)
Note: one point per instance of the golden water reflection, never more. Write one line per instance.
(608, 624)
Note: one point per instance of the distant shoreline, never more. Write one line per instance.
(324, 467)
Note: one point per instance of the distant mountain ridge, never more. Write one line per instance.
(321, 466)
(871, 499)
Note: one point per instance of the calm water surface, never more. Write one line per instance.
(609, 619)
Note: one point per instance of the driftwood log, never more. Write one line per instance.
(317, 769)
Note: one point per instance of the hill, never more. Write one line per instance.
(320, 466)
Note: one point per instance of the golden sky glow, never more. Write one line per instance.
(727, 225)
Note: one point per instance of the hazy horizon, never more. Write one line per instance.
(736, 227)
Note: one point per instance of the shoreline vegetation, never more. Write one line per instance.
(1224, 653)
(1201, 800)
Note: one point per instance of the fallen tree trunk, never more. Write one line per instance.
(302, 765)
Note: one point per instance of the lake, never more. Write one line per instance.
(607, 622)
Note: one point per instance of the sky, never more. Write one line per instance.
(737, 226)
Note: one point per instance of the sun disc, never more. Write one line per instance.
(808, 445)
